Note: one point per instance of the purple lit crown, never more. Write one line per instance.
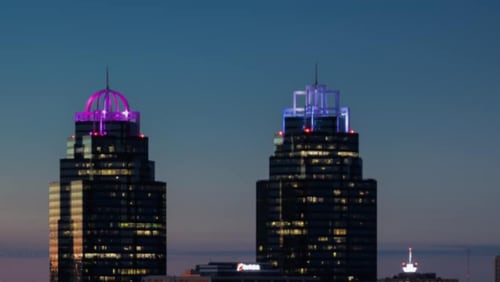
(107, 105)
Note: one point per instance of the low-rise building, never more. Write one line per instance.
(410, 274)
(232, 272)
(161, 278)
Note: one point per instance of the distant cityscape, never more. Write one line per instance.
(316, 215)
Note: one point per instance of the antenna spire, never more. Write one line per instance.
(107, 77)
(410, 266)
(316, 75)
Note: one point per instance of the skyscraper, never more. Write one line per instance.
(107, 213)
(316, 215)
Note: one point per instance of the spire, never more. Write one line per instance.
(410, 266)
(316, 74)
(107, 78)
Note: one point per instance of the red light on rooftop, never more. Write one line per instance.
(307, 130)
(280, 133)
(352, 131)
(142, 135)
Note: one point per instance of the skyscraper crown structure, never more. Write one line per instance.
(104, 106)
(316, 215)
(107, 213)
(313, 106)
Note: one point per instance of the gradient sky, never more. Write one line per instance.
(211, 78)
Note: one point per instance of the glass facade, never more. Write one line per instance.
(107, 214)
(316, 215)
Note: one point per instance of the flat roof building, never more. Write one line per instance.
(176, 279)
(410, 273)
(232, 272)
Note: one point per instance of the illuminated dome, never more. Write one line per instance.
(107, 105)
(108, 100)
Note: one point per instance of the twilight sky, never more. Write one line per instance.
(211, 78)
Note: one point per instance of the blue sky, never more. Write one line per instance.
(211, 80)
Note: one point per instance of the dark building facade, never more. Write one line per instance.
(316, 215)
(107, 213)
(417, 277)
(497, 269)
(232, 272)
(245, 272)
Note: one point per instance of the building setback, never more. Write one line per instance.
(107, 213)
(316, 215)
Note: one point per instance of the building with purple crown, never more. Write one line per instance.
(107, 213)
